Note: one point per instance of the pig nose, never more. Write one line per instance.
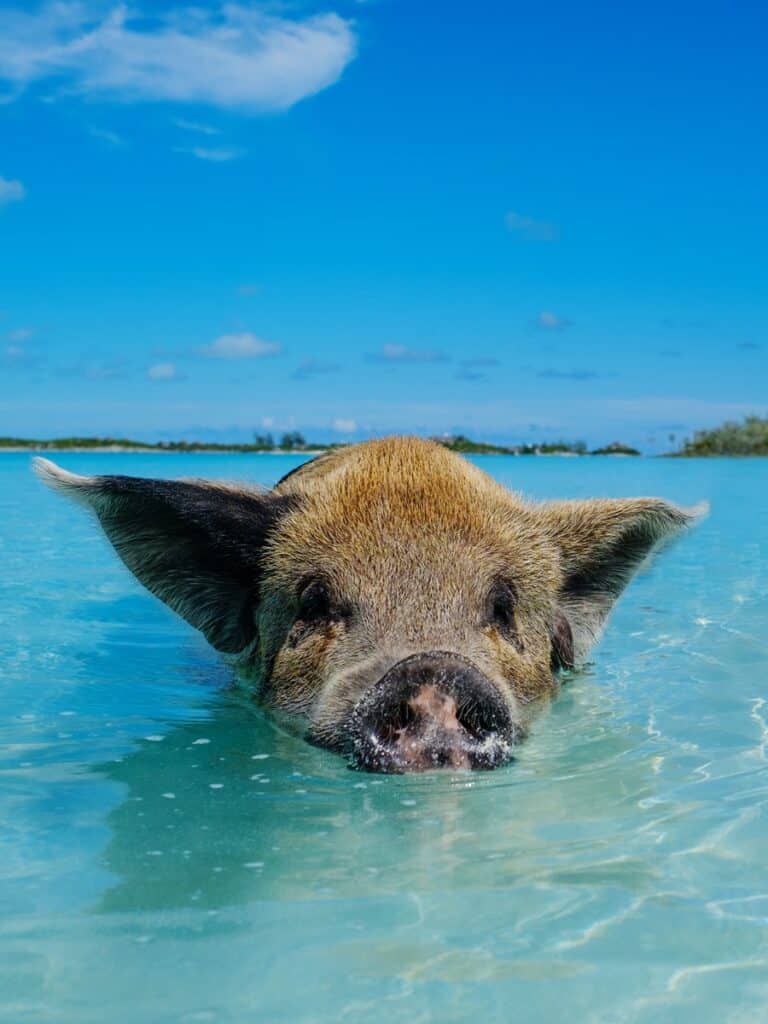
(432, 710)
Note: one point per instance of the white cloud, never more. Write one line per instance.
(241, 346)
(394, 353)
(344, 426)
(215, 154)
(11, 191)
(112, 138)
(580, 375)
(163, 371)
(552, 322)
(530, 228)
(21, 334)
(235, 56)
(103, 371)
(196, 126)
(313, 367)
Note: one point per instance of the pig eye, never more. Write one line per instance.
(315, 603)
(316, 610)
(501, 608)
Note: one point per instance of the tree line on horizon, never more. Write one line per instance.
(749, 437)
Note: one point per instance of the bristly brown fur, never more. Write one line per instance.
(406, 543)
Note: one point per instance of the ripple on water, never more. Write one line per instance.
(168, 854)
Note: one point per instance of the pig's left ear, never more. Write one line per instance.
(602, 544)
(196, 545)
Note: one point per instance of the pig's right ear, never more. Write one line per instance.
(602, 544)
(196, 545)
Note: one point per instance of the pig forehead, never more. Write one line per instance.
(453, 541)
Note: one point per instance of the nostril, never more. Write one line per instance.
(392, 725)
(467, 719)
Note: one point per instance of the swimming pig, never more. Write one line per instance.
(404, 606)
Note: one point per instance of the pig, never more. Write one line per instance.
(394, 601)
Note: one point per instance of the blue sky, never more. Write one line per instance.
(520, 221)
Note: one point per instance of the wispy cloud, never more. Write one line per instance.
(550, 321)
(344, 426)
(105, 135)
(474, 369)
(749, 346)
(232, 56)
(315, 368)
(393, 353)
(213, 154)
(579, 375)
(104, 371)
(163, 371)
(248, 290)
(16, 357)
(196, 126)
(675, 324)
(11, 190)
(530, 228)
(21, 334)
(243, 345)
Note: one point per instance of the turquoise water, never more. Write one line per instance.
(168, 855)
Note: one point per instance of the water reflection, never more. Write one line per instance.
(228, 807)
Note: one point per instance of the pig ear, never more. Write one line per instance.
(196, 545)
(602, 544)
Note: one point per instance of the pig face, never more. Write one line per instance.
(403, 607)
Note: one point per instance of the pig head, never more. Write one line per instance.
(403, 607)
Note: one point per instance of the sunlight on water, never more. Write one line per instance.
(168, 854)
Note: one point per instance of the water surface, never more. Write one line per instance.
(168, 855)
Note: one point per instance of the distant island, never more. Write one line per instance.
(291, 441)
(747, 438)
(459, 443)
(294, 443)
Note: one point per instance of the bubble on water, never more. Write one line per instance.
(408, 803)
(169, 796)
(216, 785)
(199, 742)
(254, 864)
(66, 714)
(259, 757)
(154, 853)
(154, 738)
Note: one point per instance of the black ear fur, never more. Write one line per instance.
(196, 545)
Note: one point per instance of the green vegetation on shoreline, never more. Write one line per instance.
(294, 443)
(747, 438)
(462, 444)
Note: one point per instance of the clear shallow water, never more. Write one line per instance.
(167, 854)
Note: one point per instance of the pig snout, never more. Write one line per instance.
(432, 710)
